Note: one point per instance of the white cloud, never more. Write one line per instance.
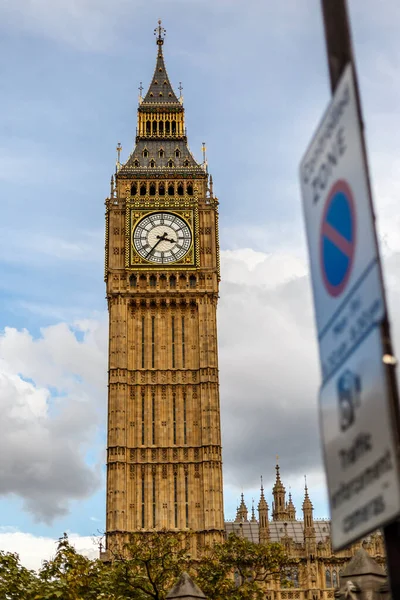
(52, 398)
(33, 550)
(269, 367)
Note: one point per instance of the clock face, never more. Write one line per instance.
(162, 238)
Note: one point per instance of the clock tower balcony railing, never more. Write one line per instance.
(161, 136)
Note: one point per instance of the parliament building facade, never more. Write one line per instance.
(162, 273)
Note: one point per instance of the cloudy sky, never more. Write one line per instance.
(255, 85)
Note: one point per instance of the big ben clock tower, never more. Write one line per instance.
(162, 272)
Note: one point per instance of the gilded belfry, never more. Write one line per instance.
(162, 276)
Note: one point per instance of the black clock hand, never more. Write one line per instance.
(166, 239)
(161, 239)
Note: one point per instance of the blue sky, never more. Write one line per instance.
(255, 85)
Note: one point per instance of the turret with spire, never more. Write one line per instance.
(309, 531)
(242, 512)
(279, 512)
(263, 517)
(291, 510)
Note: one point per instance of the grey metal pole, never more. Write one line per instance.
(340, 54)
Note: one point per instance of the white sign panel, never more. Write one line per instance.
(359, 445)
(343, 254)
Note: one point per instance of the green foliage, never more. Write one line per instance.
(150, 565)
(146, 569)
(15, 580)
(239, 569)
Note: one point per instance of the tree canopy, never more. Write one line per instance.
(146, 570)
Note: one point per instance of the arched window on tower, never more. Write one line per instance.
(189, 189)
(136, 163)
(154, 126)
(170, 164)
(177, 153)
(161, 128)
(148, 126)
(334, 579)
(192, 281)
(143, 189)
(173, 127)
(167, 127)
(161, 153)
(152, 189)
(295, 577)
(152, 281)
(142, 282)
(171, 189)
(172, 281)
(328, 578)
(161, 189)
(186, 163)
(153, 163)
(180, 189)
(132, 280)
(133, 189)
(145, 152)
(163, 282)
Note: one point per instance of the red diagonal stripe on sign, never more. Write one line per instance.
(336, 238)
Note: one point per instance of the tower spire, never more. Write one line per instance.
(263, 517)
(279, 512)
(160, 90)
(291, 510)
(253, 514)
(309, 531)
(242, 512)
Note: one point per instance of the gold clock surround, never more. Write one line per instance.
(134, 215)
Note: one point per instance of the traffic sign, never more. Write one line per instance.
(359, 445)
(345, 270)
(337, 238)
(358, 432)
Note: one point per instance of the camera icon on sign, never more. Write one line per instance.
(349, 392)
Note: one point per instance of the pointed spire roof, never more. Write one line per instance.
(185, 588)
(241, 514)
(160, 90)
(362, 564)
(253, 514)
(306, 502)
(291, 508)
(262, 503)
(278, 486)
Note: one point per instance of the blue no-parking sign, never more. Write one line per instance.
(358, 436)
(344, 260)
(337, 238)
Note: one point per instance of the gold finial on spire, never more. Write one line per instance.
(140, 93)
(160, 33)
(205, 164)
(119, 148)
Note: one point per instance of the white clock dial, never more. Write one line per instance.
(162, 238)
